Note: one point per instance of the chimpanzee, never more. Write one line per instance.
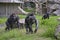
(13, 19)
(45, 16)
(29, 21)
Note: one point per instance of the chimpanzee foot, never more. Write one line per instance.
(56, 37)
(35, 31)
(6, 28)
(27, 32)
(31, 32)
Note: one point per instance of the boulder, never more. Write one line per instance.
(57, 31)
(22, 23)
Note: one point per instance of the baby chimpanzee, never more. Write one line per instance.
(45, 16)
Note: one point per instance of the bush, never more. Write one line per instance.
(50, 26)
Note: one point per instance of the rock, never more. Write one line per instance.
(57, 31)
(58, 19)
(22, 23)
(2, 25)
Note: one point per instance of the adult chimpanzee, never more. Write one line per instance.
(29, 21)
(45, 16)
(13, 19)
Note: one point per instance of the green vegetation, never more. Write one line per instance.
(45, 31)
(2, 20)
(22, 16)
(29, 10)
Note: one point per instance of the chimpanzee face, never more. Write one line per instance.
(14, 15)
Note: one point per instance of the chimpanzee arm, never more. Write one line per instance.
(36, 23)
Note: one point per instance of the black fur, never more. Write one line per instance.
(45, 16)
(11, 21)
(29, 21)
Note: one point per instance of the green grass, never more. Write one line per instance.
(22, 16)
(45, 31)
(2, 20)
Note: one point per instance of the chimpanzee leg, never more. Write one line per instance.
(8, 26)
(11, 26)
(18, 25)
(30, 29)
(27, 30)
(48, 16)
(36, 28)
